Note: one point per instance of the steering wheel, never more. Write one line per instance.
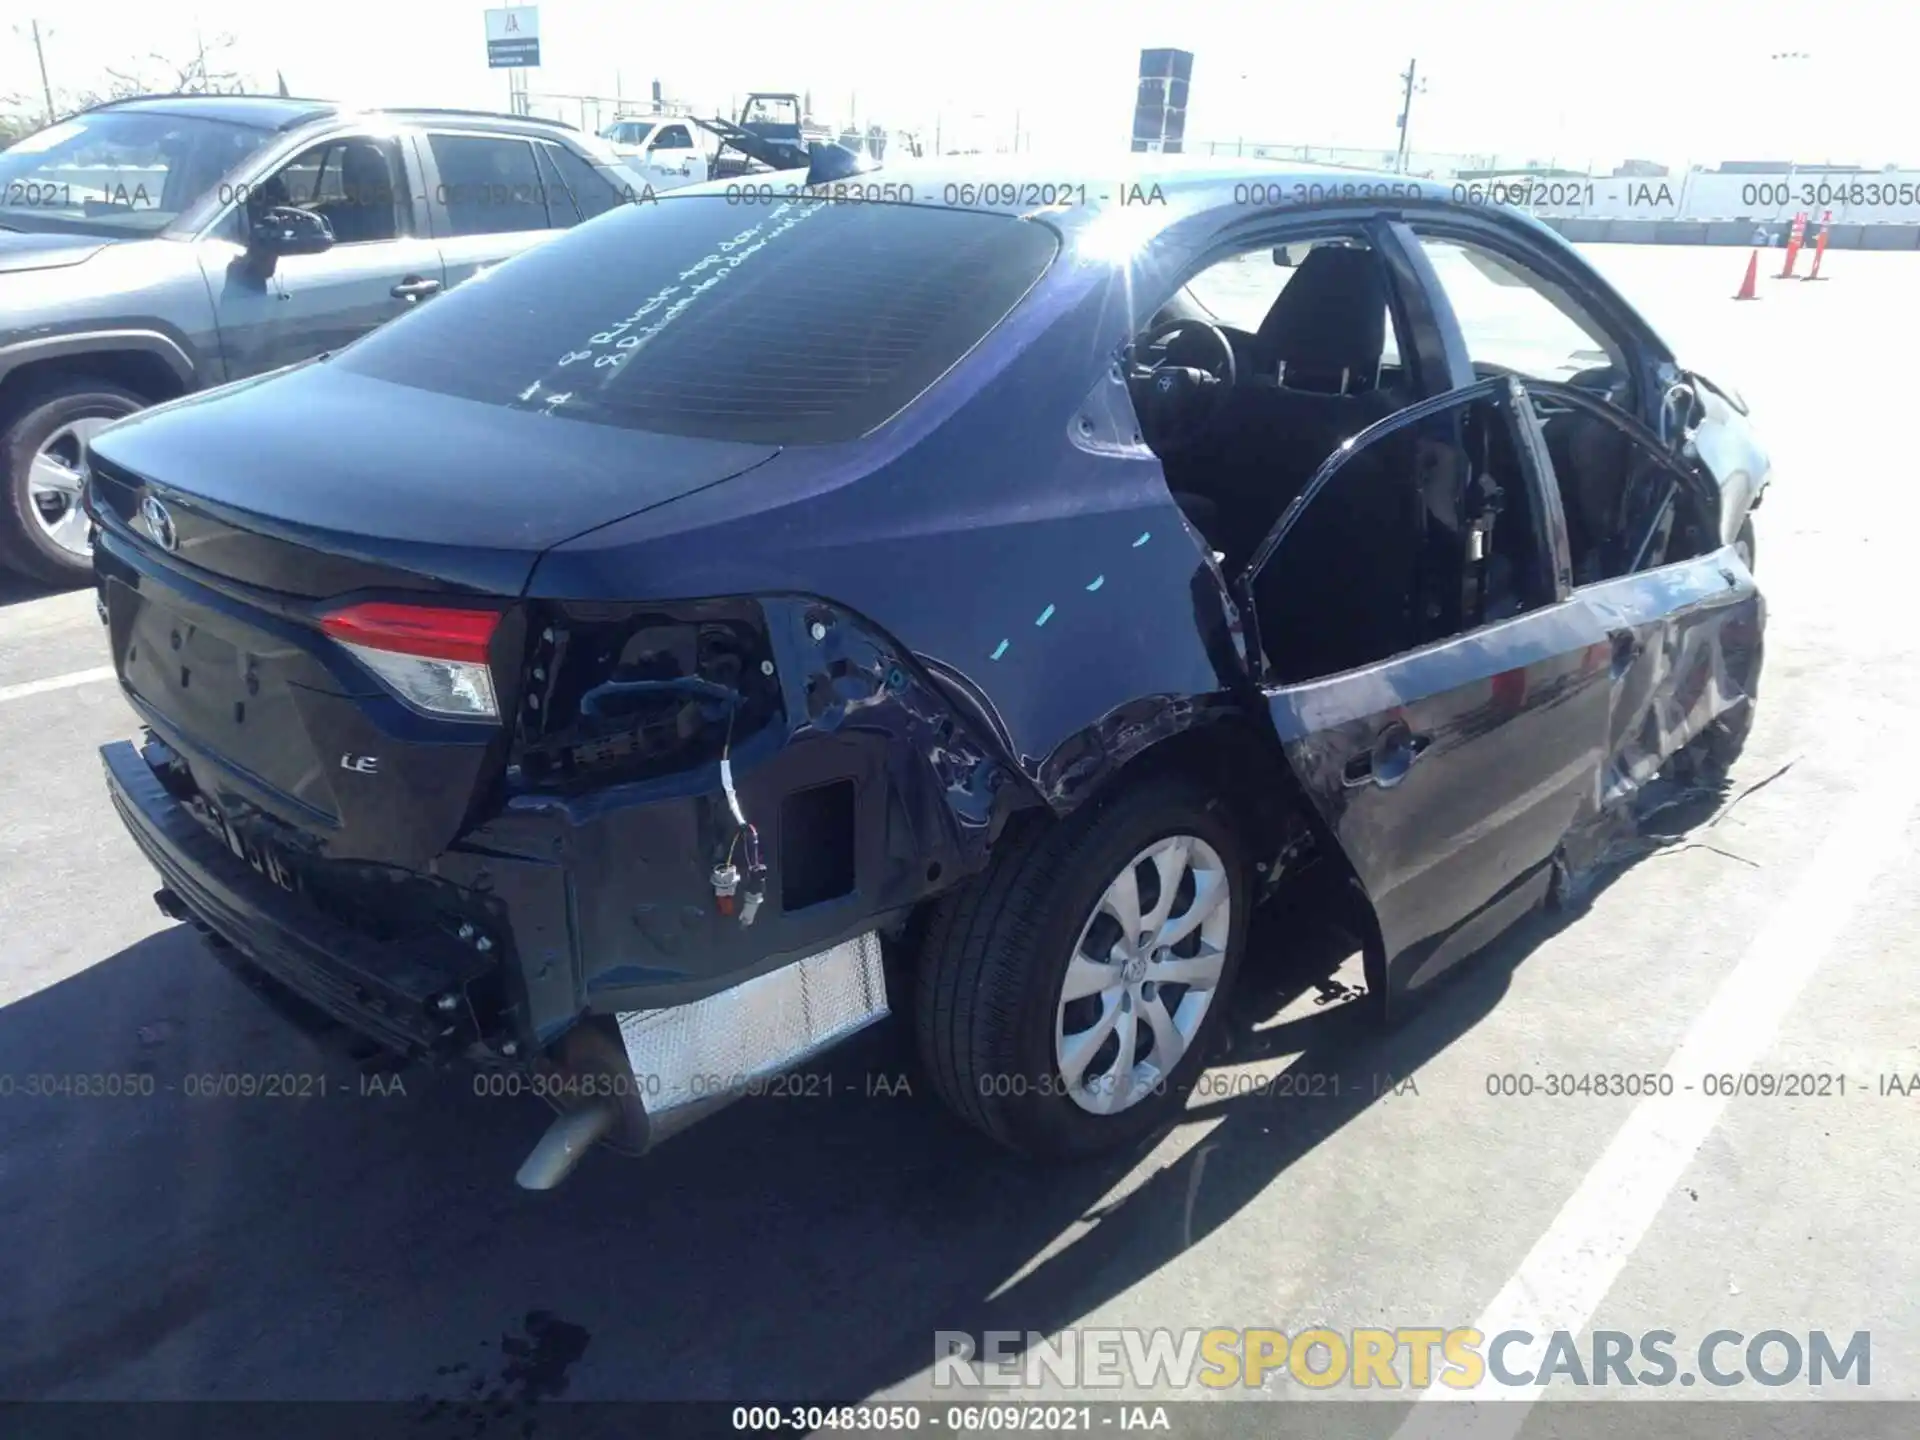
(1178, 403)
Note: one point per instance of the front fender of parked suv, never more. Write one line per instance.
(68, 301)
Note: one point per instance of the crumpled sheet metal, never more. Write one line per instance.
(1696, 672)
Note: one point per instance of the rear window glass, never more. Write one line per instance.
(800, 322)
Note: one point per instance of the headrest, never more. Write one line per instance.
(1332, 316)
(363, 169)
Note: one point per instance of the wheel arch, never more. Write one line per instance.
(149, 364)
(1229, 753)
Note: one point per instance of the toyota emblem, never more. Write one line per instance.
(159, 523)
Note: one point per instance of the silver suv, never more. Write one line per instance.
(155, 246)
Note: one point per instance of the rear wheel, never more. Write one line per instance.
(1067, 998)
(43, 529)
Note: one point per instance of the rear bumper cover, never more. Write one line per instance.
(688, 1060)
(381, 991)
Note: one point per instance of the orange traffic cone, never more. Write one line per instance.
(1749, 287)
(1795, 239)
(1820, 248)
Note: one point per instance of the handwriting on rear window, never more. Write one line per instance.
(610, 350)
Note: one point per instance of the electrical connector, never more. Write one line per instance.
(726, 880)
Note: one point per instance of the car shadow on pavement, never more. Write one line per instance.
(340, 1235)
(17, 589)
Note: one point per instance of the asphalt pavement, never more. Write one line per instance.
(362, 1239)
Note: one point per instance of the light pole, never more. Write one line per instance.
(1413, 86)
(40, 54)
(1793, 59)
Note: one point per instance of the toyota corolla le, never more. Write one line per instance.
(961, 593)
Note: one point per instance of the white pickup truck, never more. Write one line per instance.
(662, 149)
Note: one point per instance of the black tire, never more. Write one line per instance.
(995, 960)
(24, 546)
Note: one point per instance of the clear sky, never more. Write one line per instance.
(1523, 78)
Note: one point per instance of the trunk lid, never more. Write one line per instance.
(312, 481)
(232, 524)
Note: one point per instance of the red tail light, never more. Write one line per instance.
(415, 630)
(434, 659)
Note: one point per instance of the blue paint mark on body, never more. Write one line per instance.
(998, 651)
(1098, 581)
(1145, 535)
(1045, 615)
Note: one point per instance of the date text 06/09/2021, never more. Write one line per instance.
(912, 1417)
(1746, 1085)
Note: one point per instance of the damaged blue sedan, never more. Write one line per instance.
(631, 667)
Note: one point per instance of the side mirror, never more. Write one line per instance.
(1282, 257)
(284, 230)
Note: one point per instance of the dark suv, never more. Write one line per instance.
(155, 246)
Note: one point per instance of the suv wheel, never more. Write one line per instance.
(43, 529)
(1067, 998)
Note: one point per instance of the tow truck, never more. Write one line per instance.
(771, 133)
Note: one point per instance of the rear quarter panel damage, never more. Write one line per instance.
(868, 791)
(1054, 590)
(966, 614)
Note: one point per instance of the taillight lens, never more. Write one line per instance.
(433, 659)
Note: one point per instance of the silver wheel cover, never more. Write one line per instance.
(54, 482)
(1143, 974)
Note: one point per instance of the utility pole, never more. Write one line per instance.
(40, 54)
(1408, 76)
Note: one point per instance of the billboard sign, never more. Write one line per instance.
(513, 38)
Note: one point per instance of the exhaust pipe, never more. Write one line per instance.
(568, 1139)
(615, 1117)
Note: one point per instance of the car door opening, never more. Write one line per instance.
(1629, 507)
(1409, 539)
(1317, 357)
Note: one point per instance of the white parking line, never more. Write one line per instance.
(1572, 1267)
(56, 682)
